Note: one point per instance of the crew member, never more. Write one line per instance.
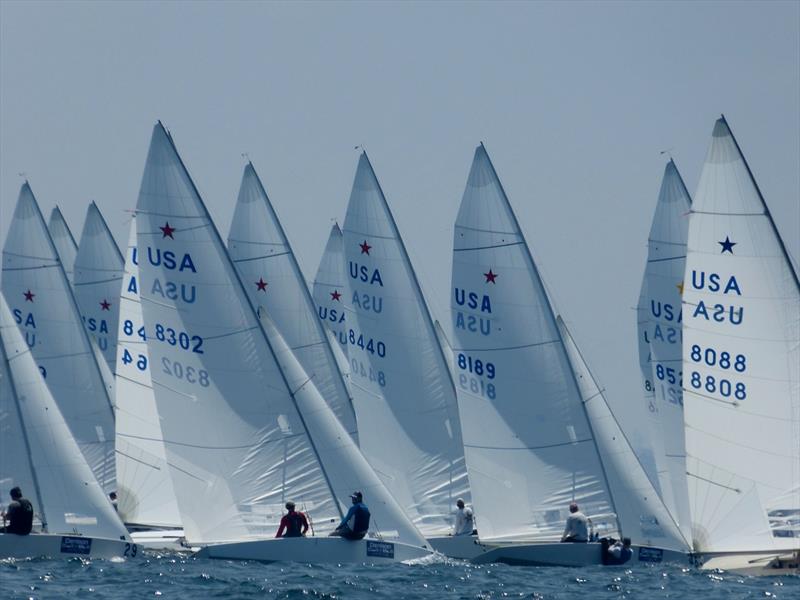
(19, 514)
(355, 524)
(617, 553)
(293, 523)
(465, 521)
(577, 528)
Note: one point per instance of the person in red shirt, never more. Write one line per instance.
(293, 523)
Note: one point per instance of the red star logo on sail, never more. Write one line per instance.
(29, 296)
(490, 277)
(167, 231)
(261, 285)
(105, 305)
(365, 247)
(335, 295)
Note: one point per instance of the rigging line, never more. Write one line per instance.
(726, 214)
(31, 268)
(98, 281)
(369, 235)
(255, 243)
(168, 215)
(9, 253)
(738, 405)
(244, 260)
(727, 487)
(519, 243)
(666, 242)
(479, 230)
(570, 443)
(252, 447)
(739, 444)
(146, 464)
(51, 357)
(503, 348)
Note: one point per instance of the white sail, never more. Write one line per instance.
(269, 270)
(741, 364)
(527, 440)
(67, 497)
(64, 242)
(330, 288)
(660, 309)
(405, 401)
(244, 426)
(96, 281)
(37, 290)
(642, 515)
(145, 494)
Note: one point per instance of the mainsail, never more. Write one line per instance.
(46, 462)
(97, 280)
(741, 363)
(268, 268)
(64, 242)
(144, 487)
(661, 324)
(330, 288)
(36, 288)
(405, 400)
(245, 429)
(527, 439)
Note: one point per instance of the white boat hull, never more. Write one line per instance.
(753, 563)
(160, 539)
(315, 550)
(569, 555)
(457, 546)
(64, 546)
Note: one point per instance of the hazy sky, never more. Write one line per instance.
(573, 100)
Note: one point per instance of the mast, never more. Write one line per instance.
(235, 274)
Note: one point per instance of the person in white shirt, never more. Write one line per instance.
(465, 521)
(577, 528)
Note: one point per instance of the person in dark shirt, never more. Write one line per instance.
(355, 524)
(18, 515)
(293, 523)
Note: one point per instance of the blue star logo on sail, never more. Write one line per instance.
(105, 305)
(29, 296)
(261, 285)
(490, 277)
(727, 245)
(335, 295)
(365, 247)
(167, 231)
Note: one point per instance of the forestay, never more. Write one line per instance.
(97, 280)
(527, 440)
(330, 288)
(660, 307)
(145, 495)
(269, 271)
(405, 402)
(741, 363)
(236, 426)
(64, 242)
(642, 515)
(37, 290)
(48, 464)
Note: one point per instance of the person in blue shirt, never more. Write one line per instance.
(355, 524)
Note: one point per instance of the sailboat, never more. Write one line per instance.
(538, 433)
(268, 268)
(741, 372)
(145, 496)
(405, 400)
(96, 283)
(660, 349)
(244, 427)
(36, 288)
(73, 517)
(65, 244)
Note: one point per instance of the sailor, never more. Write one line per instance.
(19, 514)
(293, 523)
(577, 528)
(465, 521)
(113, 498)
(619, 552)
(355, 524)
